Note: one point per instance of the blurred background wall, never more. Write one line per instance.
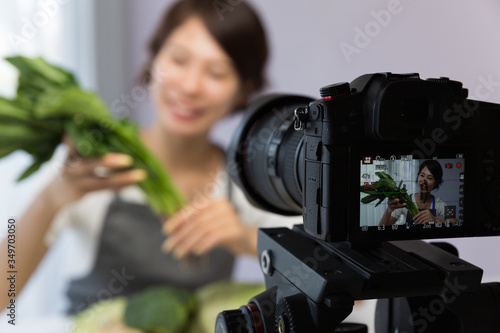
(313, 43)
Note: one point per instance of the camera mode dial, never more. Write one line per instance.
(335, 90)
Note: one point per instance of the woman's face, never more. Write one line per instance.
(426, 181)
(194, 81)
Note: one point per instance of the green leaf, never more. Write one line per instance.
(380, 201)
(383, 175)
(41, 152)
(160, 309)
(7, 150)
(42, 72)
(10, 109)
(71, 103)
(372, 197)
(35, 166)
(18, 133)
(387, 185)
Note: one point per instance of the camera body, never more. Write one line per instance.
(322, 158)
(392, 123)
(295, 155)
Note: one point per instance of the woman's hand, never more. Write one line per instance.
(424, 216)
(199, 228)
(80, 176)
(393, 204)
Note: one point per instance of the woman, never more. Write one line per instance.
(432, 208)
(207, 68)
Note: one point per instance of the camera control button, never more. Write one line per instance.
(315, 112)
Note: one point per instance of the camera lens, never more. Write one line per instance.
(265, 157)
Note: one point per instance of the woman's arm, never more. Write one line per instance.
(387, 218)
(30, 248)
(76, 180)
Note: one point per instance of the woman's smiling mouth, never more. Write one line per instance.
(182, 112)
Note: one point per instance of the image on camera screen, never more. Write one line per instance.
(403, 192)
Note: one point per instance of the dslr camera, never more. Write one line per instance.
(322, 158)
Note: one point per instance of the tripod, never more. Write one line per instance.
(312, 285)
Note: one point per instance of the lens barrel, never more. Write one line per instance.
(266, 158)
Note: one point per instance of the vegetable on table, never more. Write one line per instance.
(386, 188)
(165, 309)
(49, 104)
(160, 310)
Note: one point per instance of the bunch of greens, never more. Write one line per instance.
(49, 104)
(160, 309)
(386, 188)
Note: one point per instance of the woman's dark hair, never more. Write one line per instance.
(236, 27)
(436, 170)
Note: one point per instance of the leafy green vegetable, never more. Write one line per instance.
(160, 309)
(49, 103)
(37, 72)
(386, 188)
